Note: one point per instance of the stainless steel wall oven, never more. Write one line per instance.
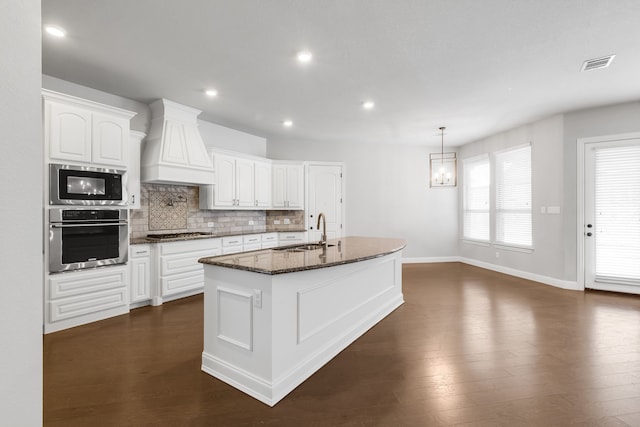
(85, 238)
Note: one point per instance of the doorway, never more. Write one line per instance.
(325, 194)
(609, 215)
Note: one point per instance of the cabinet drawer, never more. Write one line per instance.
(231, 241)
(171, 248)
(80, 305)
(182, 282)
(139, 251)
(66, 285)
(295, 237)
(270, 237)
(182, 263)
(251, 239)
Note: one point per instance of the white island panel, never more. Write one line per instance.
(303, 319)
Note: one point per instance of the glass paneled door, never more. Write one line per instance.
(612, 215)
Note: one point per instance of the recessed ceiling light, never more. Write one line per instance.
(287, 123)
(211, 92)
(368, 105)
(55, 31)
(304, 56)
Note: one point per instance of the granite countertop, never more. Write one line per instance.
(286, 259)
(203, 235)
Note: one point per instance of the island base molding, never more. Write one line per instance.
(266, 334)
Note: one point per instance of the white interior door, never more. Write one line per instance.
(325, 195)
(612, 215)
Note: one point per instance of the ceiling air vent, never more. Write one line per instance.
(594, 64)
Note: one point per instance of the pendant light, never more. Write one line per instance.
(442, 166)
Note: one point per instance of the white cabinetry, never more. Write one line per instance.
(290, 238)
(269, 240)
(79, 297)
(231, 245)
(179, 270)
(262, 184)
(242, 182)
(133, 181)
(288, 185)
(82, 131)
(251, 242)
(140, 273)
(235, 181)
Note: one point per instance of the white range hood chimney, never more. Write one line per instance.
(175, 152)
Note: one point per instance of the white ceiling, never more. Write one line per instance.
(475, 66)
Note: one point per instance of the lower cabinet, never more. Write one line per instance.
(140, 274)
(79, 297)
(180, 273)
(291, 238)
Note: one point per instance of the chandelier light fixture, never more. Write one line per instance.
(442, 166)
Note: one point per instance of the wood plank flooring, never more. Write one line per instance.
(469, 347)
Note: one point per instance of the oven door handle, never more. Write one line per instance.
(119, 224)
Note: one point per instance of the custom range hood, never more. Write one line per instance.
(175, 152)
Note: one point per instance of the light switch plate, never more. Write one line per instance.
(257, 298)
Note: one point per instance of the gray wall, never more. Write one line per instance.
(21, 214)
(387, 193)
(547, 258)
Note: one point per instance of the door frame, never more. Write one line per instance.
(343, 189)
(582, 144)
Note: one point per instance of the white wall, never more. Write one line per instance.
(216, 136)
(602, 121)
(387, 193)
(21, 214)
(547, 259)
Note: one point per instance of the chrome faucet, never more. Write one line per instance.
(323, 238)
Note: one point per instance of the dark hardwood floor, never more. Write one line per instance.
(468, 347)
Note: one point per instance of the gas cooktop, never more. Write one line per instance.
(176, 235)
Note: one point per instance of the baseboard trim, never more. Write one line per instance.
(551, 281)
(429, 260)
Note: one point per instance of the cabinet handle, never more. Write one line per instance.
(256, 203)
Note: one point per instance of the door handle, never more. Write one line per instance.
(589, 234)
(589, 225)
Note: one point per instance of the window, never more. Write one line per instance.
(513, 197)
(476, 196)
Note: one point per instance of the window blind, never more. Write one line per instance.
(617, 212)
(476, 198)
(513, 196)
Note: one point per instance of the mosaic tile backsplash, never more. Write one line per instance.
(175, 208)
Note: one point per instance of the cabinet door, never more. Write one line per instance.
(295, 187)
(110, 144)
(244, 183)
(262, 187)
(140, 279)
(225, 193)
(68, 132)
(279, 186)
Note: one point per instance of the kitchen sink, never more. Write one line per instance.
(302, 248)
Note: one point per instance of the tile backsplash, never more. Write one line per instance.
(175, 209)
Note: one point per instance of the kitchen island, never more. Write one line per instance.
(274, 317)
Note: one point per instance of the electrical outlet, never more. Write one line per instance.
(251, 222)
(276, 222)
(257, 298)
(210, 224)
(287, 221)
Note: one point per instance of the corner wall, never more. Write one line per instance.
(21, 213)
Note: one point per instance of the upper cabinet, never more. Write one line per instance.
(288, 185)
(242, 182)
(82, 131)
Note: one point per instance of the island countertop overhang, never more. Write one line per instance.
(345, 250)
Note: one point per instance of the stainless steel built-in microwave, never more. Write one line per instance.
(85, 185)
